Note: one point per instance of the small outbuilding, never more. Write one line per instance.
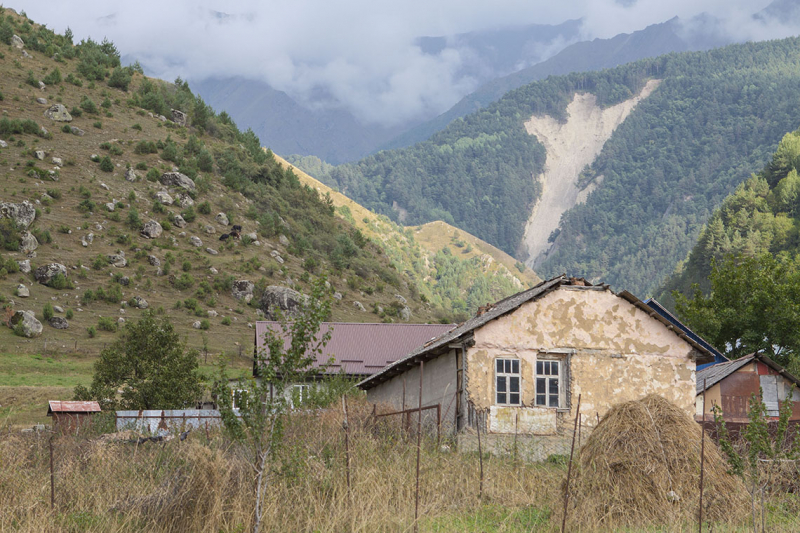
(71, 416)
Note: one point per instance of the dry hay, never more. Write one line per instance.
(641, 466)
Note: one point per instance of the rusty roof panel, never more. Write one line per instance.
(360, 349)
(58, 406)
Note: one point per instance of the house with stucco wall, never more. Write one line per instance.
(516, 369)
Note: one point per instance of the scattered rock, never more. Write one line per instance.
(3, 144)
(57, 161)
(138, 302)
(22, 214)
(26, 55)
(283, 240)
(77, 131)
(25, 322)
(184, 200)
(104, 186)
(153, 260)
(337, 295)
(277, 256)
(28, 243)
(405, 313)
(41, 100)
(152, 230)
(401, 299)
(210, 229)
(211, 313)
(213, 271)
(163, 198)
(359, 305)
(278, 300)
(120, 321)
(195, 241)
(253, 236)
(24, 266)
(196, 324)
(162, 118)
(58, 322)
(179, 221)
(39, 154)
(212, 251)
(17, 42)
(176, 179)
(178, 117)
(23, 291)
(42, 86)
(58, 113)
(89, 238)
(124, 281)
(45, 273)
(241, 288)
(110, 206)
(58, 309)
(118, 259)
(222, 218)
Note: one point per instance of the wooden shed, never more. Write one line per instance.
(69, 416)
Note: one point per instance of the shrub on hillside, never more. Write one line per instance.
(106, 165)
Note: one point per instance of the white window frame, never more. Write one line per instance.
(543, 373)
(302, 393)
(234, 392)
(511, 371)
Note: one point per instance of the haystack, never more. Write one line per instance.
(641, 466)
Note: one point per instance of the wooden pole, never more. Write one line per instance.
(419, 445)
(569, 468)
(702, 461)
(346, 442)
(52, 478)
(480, 453)
(404, 416)
(516, 430)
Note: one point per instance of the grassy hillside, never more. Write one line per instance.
(761, 216)
(117, 112)
(716, 115)
(468, 274)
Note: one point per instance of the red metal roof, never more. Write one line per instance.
(57, 406)
(363, 349)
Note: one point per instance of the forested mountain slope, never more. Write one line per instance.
(762, 215)
(715, 115)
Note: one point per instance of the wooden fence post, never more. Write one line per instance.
(569, 468)
(419, 445)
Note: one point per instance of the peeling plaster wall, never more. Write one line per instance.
(618, 353)
(438, 386)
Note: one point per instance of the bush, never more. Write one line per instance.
(91, 331)
(106, 165)
(88, 105)
(204, 208)
(184, 281)
(31, 80)
(97, 124)
(120, 78)
(9, 235)
(133, 219)
(69, 314)
(53, 78)
(106, 323)
(145, 147)
(226, 321)
(205, 324)
(141, 165)
(66, 129)
(48, 311)
(60, 282)
(188, 214)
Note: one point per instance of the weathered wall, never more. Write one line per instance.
(618, 353)
(438, 387)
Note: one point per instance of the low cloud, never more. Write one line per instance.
(360, 55)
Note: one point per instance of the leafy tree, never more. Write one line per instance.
(120, 78)
(753, 305)
(262, 404)
(149, 365)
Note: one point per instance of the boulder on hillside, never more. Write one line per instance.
(164, 198)
(278, 300)
(58, 113)
(118, 259)
(45, 273)
(151, 230)
(222, 218)
(195, 241)
(178, 117)
(184, 200)
(179, 221)
(17, 42)
(77, 131)
(22, 213)
(138, 302)
(23, 291)
(153, 260)
(130, 175)
(28, 242)
(58, 322)
(24, 266)
(24, 323)
(176, 179)
(242, 288)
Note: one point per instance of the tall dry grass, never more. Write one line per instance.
(207, 484)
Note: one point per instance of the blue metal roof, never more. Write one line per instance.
(661, 310)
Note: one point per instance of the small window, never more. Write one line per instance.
(239, 398)
(507, 382)
(299, 395)
(548, 383)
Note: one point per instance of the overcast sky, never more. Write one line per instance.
(359, 53)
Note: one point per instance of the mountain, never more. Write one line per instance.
(657, 176)
(761, 216)
(450, 268)
(584, 56)
(98, 182)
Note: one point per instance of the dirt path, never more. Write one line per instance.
(570, 147)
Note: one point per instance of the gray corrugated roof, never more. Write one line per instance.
(711, 375)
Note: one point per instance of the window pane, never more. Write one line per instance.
(513, 399)
(554, 400)
(553, 386)
(541, 399)
(541, 385)
(539, 367)
(501, 397)
(499, 365)
(508, 366)
(554, 367)
(513, 384)
(515, 366)
(501, 384)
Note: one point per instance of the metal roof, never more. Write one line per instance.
(58, 406)
(503, 307)
(712, 375)
(362, 349)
